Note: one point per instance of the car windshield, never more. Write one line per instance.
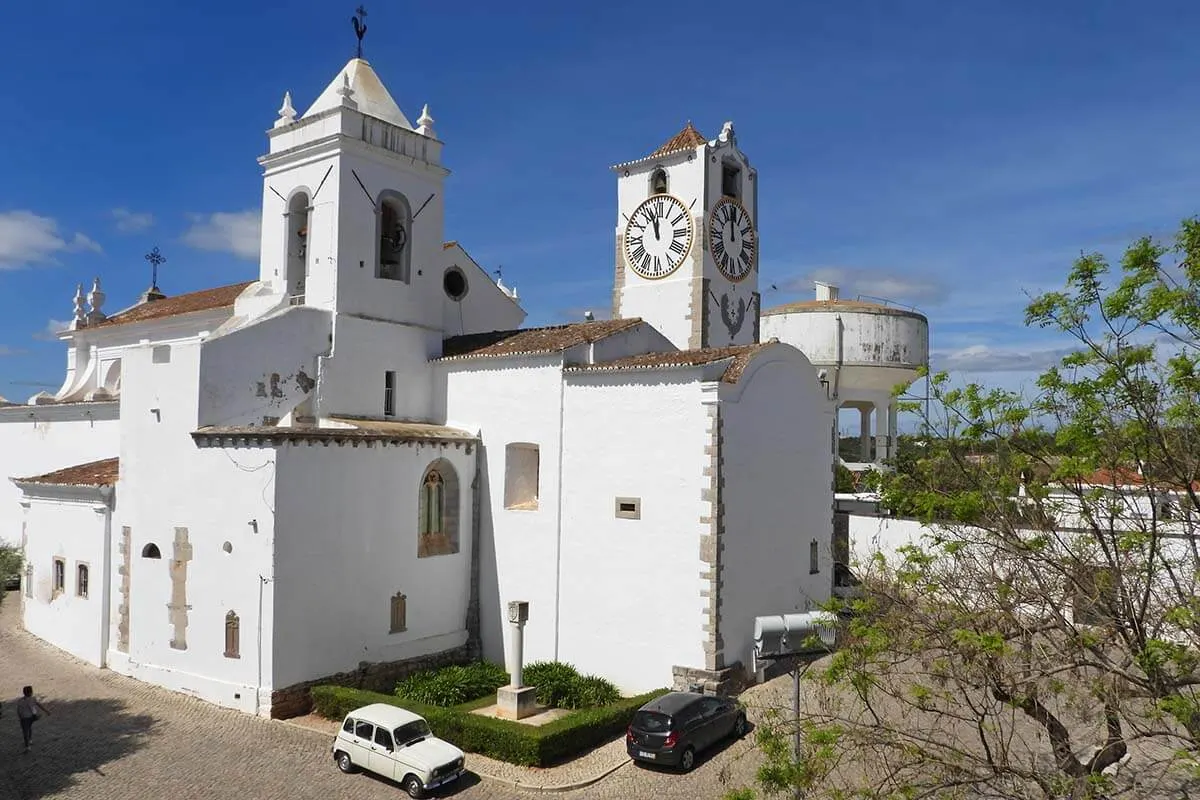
(413, 730)
(651, 722)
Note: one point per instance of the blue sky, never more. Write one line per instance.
(946, 155)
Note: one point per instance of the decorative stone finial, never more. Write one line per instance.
(726, 132)
(287, 112)
(347, 92)
(425, 123)
(79, 318)
(95, 300)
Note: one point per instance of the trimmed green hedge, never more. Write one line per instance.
(528, 745)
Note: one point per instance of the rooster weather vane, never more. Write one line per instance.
(360, 27)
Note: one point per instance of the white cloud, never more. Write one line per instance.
(132, 221)
(27, 239)
(225, 232)
(51, 331)
(5, 350)
(981, 358)
(855, 281)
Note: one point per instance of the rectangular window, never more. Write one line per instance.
(161, 354)
(60, 575)
(521, 469)
(389, 394)
(81, 580)
(814, 558)
(1094, 595)
(731, 181)
(629, 507)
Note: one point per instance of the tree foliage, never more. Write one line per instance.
(11, 562)
(1042, 638)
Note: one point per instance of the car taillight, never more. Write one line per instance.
(629, 733)
(671, 740)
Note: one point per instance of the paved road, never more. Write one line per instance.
(113, 738)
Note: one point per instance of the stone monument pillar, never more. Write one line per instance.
(516, 701)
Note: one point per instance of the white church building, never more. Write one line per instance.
(347, 466)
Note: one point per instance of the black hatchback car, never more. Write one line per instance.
(673, 729)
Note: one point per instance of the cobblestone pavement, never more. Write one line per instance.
(112, 738)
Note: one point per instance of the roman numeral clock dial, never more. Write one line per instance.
(658, 236)
(732, 239)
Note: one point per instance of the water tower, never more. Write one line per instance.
(865, 349)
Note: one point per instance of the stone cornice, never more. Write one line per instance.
(96, 411)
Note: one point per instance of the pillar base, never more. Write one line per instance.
(514, 703)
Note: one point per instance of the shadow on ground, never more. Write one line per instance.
(467, 781)
(77, 737)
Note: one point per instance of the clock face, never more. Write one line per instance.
(732, 239)
(658, 236)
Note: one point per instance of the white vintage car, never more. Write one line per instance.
(396, 744)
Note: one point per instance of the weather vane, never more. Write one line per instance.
(360, 27)
(156, 259)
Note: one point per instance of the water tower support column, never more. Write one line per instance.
(883, 438)
(864, 435)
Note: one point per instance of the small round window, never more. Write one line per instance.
(455, 283)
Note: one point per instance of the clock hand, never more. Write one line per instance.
(655, 221)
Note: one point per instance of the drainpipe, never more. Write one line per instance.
(837, 347)
(474, 634)
(106, 492)
(258, 683)
(558, 512)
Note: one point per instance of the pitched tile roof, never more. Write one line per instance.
(526, 341)
(686, 139)
(203, 300)
(355, 430)
(93, 473)
(738, 357)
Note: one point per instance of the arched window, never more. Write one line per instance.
(658, 181)
(437, 523)
(233, 636)
(151, 551)
(395, 239)
(296, 270)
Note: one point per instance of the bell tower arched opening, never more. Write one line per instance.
(395, 228)
(299, 215)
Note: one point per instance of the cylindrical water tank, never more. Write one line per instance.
(873, 346)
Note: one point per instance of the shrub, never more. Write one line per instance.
(591, 691)
(555, 681)
(508, 741)
(451, 686)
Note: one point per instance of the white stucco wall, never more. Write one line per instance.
(518, 548)
(166, 482)
(344, 547)
(351, 378)
(484, 307)
(263, 369)
(71, 524)
(870, 535)
(38, 439)
(630, 591)
(777, 495)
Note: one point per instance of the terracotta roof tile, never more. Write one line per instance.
(204, 300)
(738, 357)
(355, 430)
(449, 244)
(523, 341)
(686, 139)
(93, 473)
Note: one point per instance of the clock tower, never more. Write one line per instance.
(687, 241)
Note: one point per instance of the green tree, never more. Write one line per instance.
(11, 562)
(1043, 638)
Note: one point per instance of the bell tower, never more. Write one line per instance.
(352, 210)
(687, 241)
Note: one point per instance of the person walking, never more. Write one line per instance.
(28, 709)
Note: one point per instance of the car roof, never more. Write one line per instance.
(672, 702)
(387, 716)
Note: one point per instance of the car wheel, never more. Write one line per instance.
(344, 763)
(739, 726)
(412, 785)
(687, 760)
